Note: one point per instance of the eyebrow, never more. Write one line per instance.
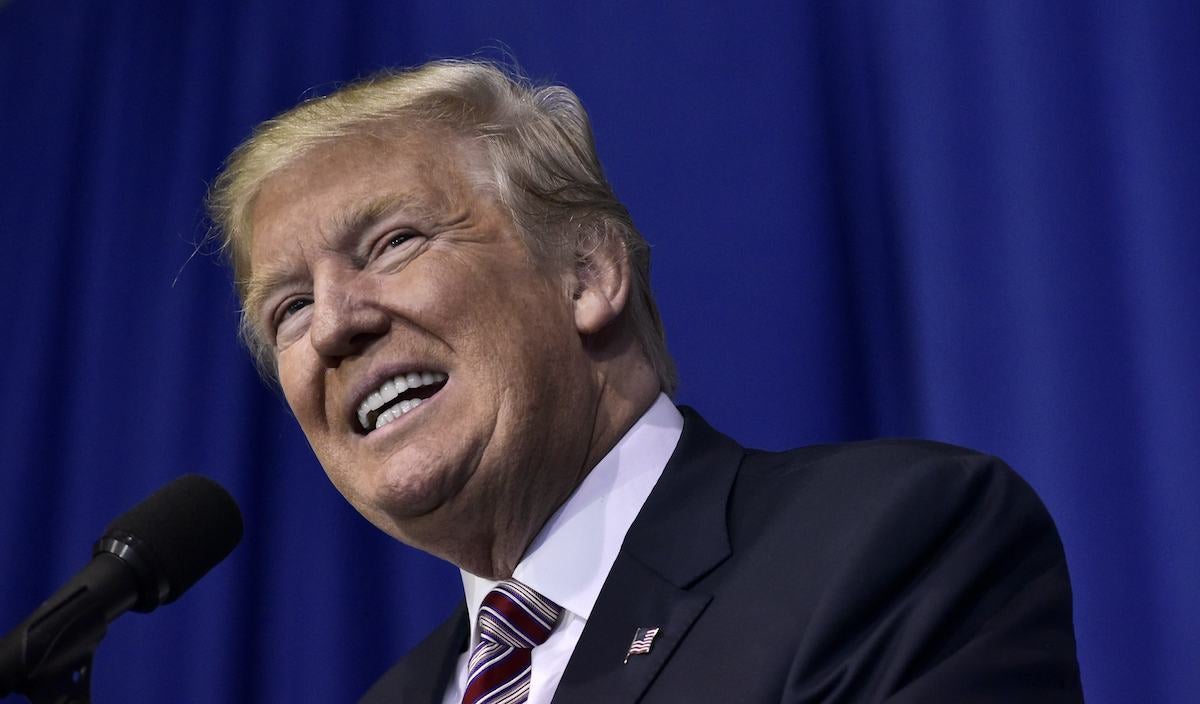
(261, 284)
(343, 227)
(352, 222)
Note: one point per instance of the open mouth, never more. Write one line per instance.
(396, 397)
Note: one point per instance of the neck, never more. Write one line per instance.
(626, 388)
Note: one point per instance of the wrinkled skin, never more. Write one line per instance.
(376, 255)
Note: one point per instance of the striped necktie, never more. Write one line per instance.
(512, 621)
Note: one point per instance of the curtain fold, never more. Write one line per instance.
(970, 222)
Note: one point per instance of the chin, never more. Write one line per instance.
(414, 488)
(433, 526)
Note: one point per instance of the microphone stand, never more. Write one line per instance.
(48, 658)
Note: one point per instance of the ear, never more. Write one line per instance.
(601, 284)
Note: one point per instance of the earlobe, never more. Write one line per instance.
(601, 286)
(593, 312)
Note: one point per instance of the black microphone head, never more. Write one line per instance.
(175, 536)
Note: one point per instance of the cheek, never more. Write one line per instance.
(303, 394)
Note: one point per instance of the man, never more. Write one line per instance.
(458, 311)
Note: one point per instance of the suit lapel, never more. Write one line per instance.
(423, 674)
(679, 536)
(597, 671)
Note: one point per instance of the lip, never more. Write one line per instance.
(382, 434)
(374, 380)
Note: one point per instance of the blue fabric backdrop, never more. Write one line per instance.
(969, 221)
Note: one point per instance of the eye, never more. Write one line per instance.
(289, 309)
(392, 250)
(295, 306)
(396, 239)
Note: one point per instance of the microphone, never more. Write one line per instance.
(148, 556)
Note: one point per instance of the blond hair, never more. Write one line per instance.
(538, 142)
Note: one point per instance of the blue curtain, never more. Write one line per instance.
(968, 221)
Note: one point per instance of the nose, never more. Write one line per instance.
(346, 317)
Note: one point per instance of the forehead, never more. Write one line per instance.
(426, 170)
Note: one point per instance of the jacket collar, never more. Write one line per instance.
(679, 536)
(423, 674)
(681, 531)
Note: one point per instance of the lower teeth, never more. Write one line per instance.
(395, 412)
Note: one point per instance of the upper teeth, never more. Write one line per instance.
(389, 391)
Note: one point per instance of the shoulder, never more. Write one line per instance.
(883, 499)
(869, 480)
(868, 519)
(938, 555)
(885, 459)
(422, 674)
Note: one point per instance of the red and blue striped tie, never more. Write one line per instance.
(512, 621)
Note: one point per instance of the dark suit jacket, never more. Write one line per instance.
(884, 571)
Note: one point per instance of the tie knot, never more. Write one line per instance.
(514, 614)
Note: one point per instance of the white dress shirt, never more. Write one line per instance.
(571, 557)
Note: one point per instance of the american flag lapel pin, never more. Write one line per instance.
(643, 638)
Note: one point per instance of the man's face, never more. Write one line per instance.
(377, 260)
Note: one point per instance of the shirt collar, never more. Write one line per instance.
(571, 557)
